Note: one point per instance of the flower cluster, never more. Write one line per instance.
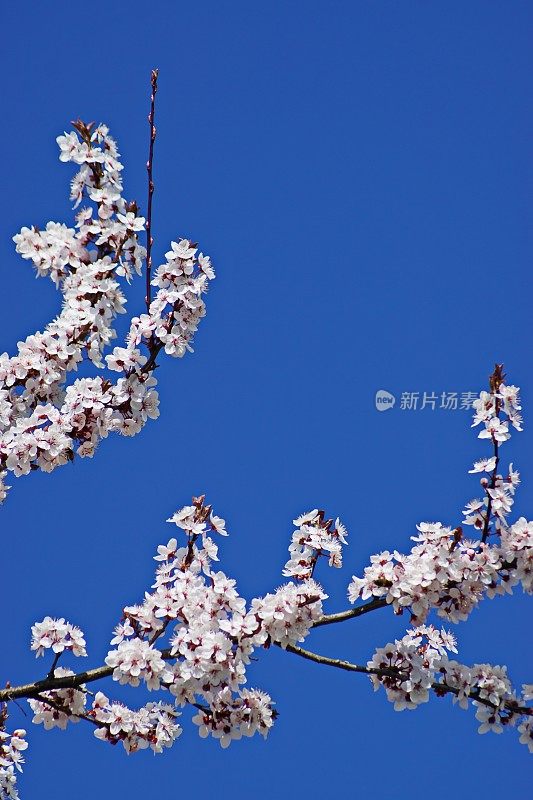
(180, 281)
(287, 615)
(489, 407)
(229, 717)
(12, 745)
(314, 537)
(212, 636)
(516, 548)
(444, 572)
(447, 572)
(57, 635)
(43, 422)
(412, 666)
(213, 633)
(56, 708)
(154, 725)
(407, 667)
(526, 726)
(496, 410)
(482, 682)
(135, 660)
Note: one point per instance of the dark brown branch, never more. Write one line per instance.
(337, 662)
(486, 525)
(54, 664)
(32, 690)
(351, 613)
(149, 169)
(496, 379)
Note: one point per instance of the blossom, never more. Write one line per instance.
(484, 465)
(525, 730)
(57, 635)
(218, 524)
(135, 660)
(228, 718)
(131, 222)
(313, 538)
(154, 725)
(495, 429)
(11, 748)
(409, 666)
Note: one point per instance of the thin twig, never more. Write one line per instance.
(486, 525)
(54, 664)
(149, 169)
(496, 379)
(337, 662)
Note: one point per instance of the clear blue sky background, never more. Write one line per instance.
(361, 175)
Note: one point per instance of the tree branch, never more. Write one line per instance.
(149, 169)
(31, 690)
(496, 379)
(34, 690)
(351, 613)
(438, 688)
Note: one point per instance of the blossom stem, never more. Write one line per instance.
(486, 529)
(496, 380)
(54, 664)
(149, 169)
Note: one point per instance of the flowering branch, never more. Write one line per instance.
(74, 681)
(43, 421)
(440, 688)
(496, 380)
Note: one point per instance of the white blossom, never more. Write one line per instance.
(57, 635)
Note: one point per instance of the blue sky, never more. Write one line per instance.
(360, 174)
